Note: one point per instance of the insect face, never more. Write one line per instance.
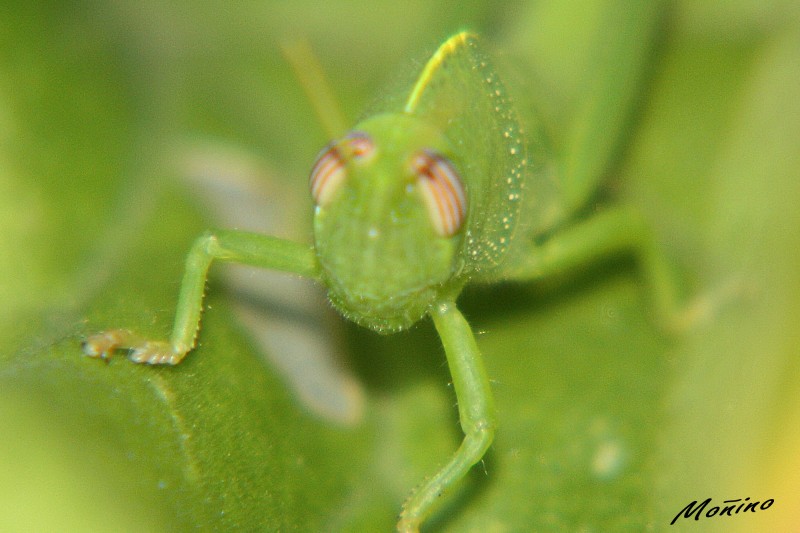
(390, 209)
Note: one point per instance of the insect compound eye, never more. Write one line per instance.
(359, 146)
(330, 169)
(442, 190)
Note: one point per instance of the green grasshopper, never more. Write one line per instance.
(447, 185)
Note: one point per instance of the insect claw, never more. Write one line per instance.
(102, 345)
(91, 351)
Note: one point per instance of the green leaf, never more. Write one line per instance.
(604, 424)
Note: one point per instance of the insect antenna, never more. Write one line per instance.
(312, 79)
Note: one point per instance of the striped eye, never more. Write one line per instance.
(330, 169)
(442, 190)
(359, 145)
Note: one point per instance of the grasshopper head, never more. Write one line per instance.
(390, 215)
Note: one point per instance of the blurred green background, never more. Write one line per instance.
(605, 424)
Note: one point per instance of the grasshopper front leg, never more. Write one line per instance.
(475, 409)
(230, 246)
